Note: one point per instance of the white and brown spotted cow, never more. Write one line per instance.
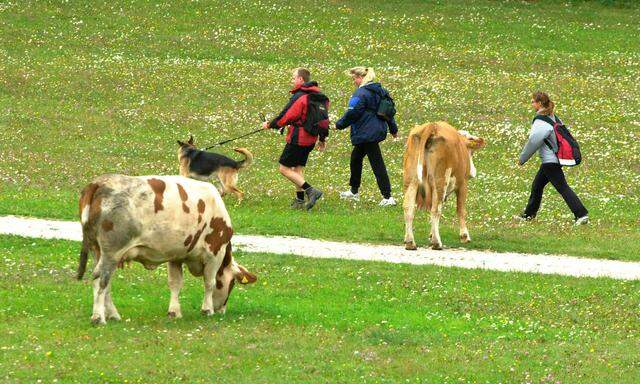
(437, 162)
(155, 220)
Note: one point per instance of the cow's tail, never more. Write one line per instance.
(414, 161)
(87, 222)
(248, 157)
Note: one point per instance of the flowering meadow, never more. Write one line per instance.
(108, 87)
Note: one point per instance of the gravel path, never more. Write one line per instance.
(511, 262)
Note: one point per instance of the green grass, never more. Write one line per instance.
(93, 88)
(309, 320)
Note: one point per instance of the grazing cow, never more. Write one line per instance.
(155, 220)
(437, 161)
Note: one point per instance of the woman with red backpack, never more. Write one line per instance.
(554, 146)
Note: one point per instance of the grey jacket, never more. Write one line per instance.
(540, 131)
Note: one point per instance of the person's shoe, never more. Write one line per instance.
(581, 221)
(348, 195)
(297, 203)
(388, 202)
(313, 195)
(523, 217)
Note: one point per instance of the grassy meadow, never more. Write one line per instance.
(88, 88)
(385, 323)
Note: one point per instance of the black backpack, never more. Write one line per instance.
(317, 113)
(386, 108)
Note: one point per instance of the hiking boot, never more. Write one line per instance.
(313, 195)
(297, 203)
(523, 217)
(390, 202)
(348, 195)
(581, 221)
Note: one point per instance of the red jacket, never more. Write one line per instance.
(294, 115)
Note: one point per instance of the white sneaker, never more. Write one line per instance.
(388, 202)
(348, 195)
(581, 221)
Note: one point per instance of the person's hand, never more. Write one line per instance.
(265, 125)
(322, 146)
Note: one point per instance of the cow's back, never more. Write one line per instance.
(161, 214)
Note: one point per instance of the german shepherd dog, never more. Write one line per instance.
(201, 165)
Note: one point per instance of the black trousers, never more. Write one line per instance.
(553, 173)
(372, 151)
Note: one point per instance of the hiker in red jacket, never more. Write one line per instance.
(306, 115)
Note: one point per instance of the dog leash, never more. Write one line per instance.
(262, 117)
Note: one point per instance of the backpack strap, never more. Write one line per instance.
(549, 121)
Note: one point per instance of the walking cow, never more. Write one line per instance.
(155, 220)
(437, 162)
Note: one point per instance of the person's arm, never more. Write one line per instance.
(539, 131)
(273, 123)
(293, 114)
(393, 127)
(324, 128)
(354, 111)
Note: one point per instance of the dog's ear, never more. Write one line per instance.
(180, 143)
(191, 139)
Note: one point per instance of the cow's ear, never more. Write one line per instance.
(476, 143)
(243, 276)
(191, 139)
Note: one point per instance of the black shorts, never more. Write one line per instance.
(295, 155)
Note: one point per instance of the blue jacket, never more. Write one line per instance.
(366, 126)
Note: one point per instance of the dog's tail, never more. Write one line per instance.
(248, 157)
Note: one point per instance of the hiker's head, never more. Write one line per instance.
(362, 75)
(300, 76)
(541, 103)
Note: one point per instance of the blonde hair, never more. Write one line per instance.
(367, 74)
(547, 105)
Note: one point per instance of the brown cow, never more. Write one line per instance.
(155, 220)
(437, 161)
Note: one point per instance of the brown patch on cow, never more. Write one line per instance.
(107, 225)
(219, 284)
(231, 284)
(184, 197)
(196, 237)
(187, 241)
(220, 234)
(95, 208)
(201, 206)
(226, 261)
(158, 186)
(87, 195)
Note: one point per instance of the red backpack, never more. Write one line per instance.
(568, 148)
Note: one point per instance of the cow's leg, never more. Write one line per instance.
(209, 277)
(175, 284)
(461, 197)
(101, 285)
(110, 309)
(409, 207)
(437, 200)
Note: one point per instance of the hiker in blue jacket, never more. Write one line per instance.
(542, 139)
(367, 130)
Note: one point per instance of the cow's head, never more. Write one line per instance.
(188, 144)
(229, 273)
(473, 143)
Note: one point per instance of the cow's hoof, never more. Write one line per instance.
(97, 320)
(114, 316)
(174, 315)
(465, 238)
(206, 312)
(410, 246)
(437, 247)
